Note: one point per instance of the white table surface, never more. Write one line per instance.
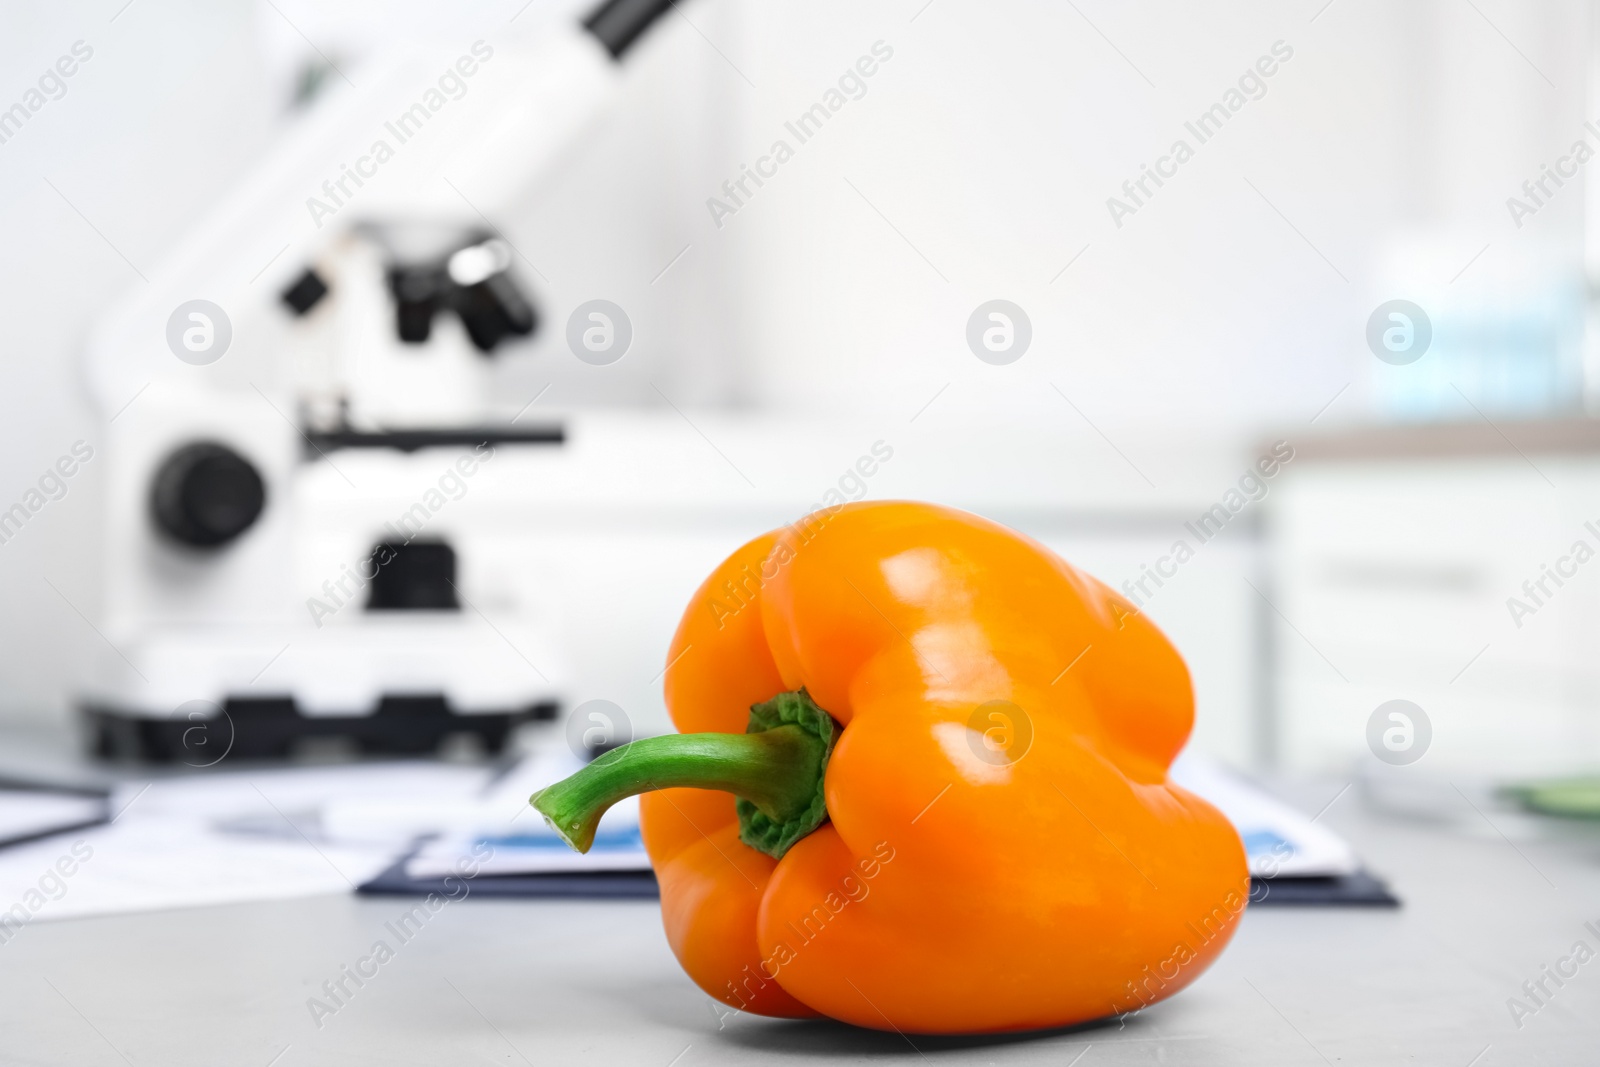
(557, 982)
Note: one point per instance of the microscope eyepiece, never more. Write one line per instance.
(475, 282)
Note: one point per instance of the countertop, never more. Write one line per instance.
(1490, 900)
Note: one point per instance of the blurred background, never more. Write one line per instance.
(1159, 336)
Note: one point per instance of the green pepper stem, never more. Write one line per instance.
(778, 770)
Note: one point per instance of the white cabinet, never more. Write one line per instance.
(1392, 573)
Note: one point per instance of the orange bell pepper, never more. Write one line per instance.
(949, 751)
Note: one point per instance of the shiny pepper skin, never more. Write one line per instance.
(1003, 850)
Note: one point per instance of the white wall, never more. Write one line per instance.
(994, 137)
(153, 127)
(990, 142)
(178, 102)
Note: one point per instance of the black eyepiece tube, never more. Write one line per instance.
(617, 24)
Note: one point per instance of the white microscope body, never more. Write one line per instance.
(296, 422)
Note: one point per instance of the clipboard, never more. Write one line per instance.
(30, 810)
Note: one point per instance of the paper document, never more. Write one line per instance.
(1279, 841)
(231, 836)
(509, 837)
(28, 813)
(220, 837)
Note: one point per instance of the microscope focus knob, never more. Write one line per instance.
(206, 494)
